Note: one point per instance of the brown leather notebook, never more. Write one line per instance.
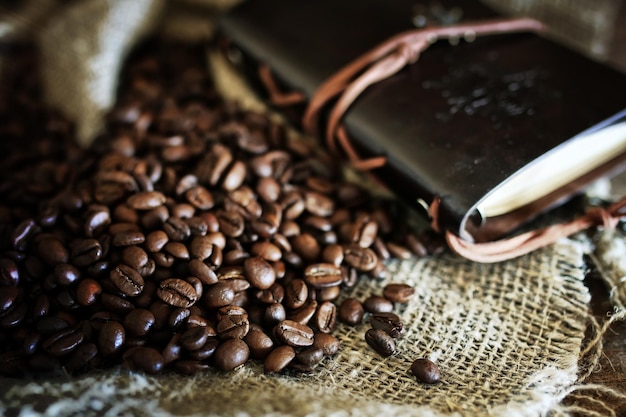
(487, 130)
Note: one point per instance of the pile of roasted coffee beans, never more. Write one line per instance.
(191, 235)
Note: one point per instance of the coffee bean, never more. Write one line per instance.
(139, 321)
(322, 275)
(128, 238)
(274, 313)
(398, 293)
(231, 354)
(176, 228)
(278, 359)
(304, 313)
(333, 254)
(9, 273)
(85, 252)
(364, 231)
(200, 197)
(23, 233)
(259, 272)
(146, 200)
(177, 249)
(294, 334)
(426, 371)
(232, 323)
(260, 344)
(310, 356)
(351, 311)
(325, 317)
(296, 294)
(388, 322)
(361, 259)
(63, 342)
(177, 292)
(195, 337)
(219, 295)
(266, 250)
(318, 204)
(377, 304)
(147, 359)
(88, 291)
(111, 338)
(135, 257)
(127, 280)
(380, 341)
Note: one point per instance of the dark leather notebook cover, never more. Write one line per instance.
(455, 124)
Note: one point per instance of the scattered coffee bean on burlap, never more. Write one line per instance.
(426, 371)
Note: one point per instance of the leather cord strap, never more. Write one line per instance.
(382, 62)
(515, 246)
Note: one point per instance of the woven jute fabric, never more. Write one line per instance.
(506, 336)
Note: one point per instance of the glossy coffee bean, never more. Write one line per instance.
(278, 359)
(294, 334)
(426, 371)
(398, 293)
(176, 292)
(351, 311)
(231, 354)
(381, 342)
(389, 323)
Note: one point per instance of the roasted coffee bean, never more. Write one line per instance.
(177, 292)
(85, 252)
(259, 272)
(326, 317)
(377, 304)
(232, 224)
(361, 259)
(177, 249)
(266, 250)
(219, 295)
(139, 321)
(364, 231)
(268, 189)
(388, 322)
(111, 338)
(147, 359)
(231, 354)
(278, 359)
(146, 200)
(195, 337)
(156, 240)
(135, 257)
(351, 311)
(200, 198)
(82, 358)
(128, 238)
(260, 344)
(9, 273)
(380, 341)
(176, 228)
(8, 298)
(318, 204)
(398, 251)
(190, 367)
(116, 304)
(310, 356)
(274, 294)
(426, 371)
(23, 233)
(127, 280)
(203, 272)
(274, 313)
(296, 294)
(294, 334)
(305, 313)
(52, 251)
(307, 247)
(232, 323)
(398, 293)
(333, 254)
(322, 275)
(63, 342)
(88, 291)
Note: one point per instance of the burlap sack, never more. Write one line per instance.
(509, 337)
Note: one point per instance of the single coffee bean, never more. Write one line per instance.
(259, 272)
(296, 294)
(82, 358)
(278, 359)
(177, 229)
(111, 338)
(260, 344)
(380, 341)
(318, 204)
(116, 304)
(195, 337)
(23, 233)
(326, 317)
(219, 295)
(274, 313)
(85, 252)
(135, 257)
(200, 197)
(232, 323)
(361, 259)
(398, 251)
(52, 251)
(8, 298)
(267, 250)
(148, 360)
(146, 200)
(155, 241)
(231, 223)
(426, 371)
(202, 271)
(63, 342)
(139, 321)
(333, 254)
(310, 356)
(66, 274)
(377, 304)
(231, 354)
(322, 275)
(307, 247)
(294, 334)
(88, 291)
(351, 311)
(128, 238)
(9, 272)
(398, 293)
(388, 322)
(176, 292)
(305, 313)
(127, 280)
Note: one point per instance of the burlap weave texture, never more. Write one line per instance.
(506, 336)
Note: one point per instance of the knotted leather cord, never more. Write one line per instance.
(387, 59)
(515, 246)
